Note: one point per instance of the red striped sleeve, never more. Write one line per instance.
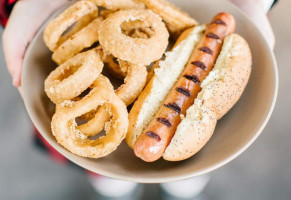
(5, 9)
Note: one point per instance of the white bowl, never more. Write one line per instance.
(233, 134)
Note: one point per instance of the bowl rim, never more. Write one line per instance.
(217, 165)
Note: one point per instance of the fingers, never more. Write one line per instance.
(14, 48)
(257, 14)
(26, 17)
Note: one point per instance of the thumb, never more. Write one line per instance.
(21, 27)
(14, 48)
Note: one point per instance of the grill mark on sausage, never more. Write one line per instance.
(184, 91)
(164, 121)
(192, 78)
(212, 35)
(153, 135)
(174, 107)
(219, 21)
(206, 50)
(199, 64)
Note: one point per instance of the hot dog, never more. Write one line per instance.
(154, 137)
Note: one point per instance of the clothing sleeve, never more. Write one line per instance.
(275, 1)
(268, 4)
(5, 9)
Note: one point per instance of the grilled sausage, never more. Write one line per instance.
(151, 144)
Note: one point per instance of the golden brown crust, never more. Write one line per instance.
(67, 133)
(133, 29)
(79, 25)
(134, 50)
(76, 43)
(118, 4)
(171, 14)
(54, 30)
(148, 95)
(134, 82)
(73, 77)
(183, 36)
(127, 92)
(113, 67)
(134, 113)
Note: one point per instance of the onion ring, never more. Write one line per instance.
(111, 63)
(170, 13)
(174, 32)
(60, 24)
(134, 50)
(119, 4)
(73, 77)
(113, 67)
(134, 82)
(134, 24)
(65, 130)
(102, 54)
(67, 103)
(134, 31)
(143, 33)
(81, 23)
(106, 13)
(137, 29)
(128, 92)
(83, 39)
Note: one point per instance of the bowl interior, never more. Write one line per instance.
(234, 133)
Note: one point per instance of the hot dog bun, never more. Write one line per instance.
(182, 37)
(220, 91)
(152, 143)
(161, 83)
